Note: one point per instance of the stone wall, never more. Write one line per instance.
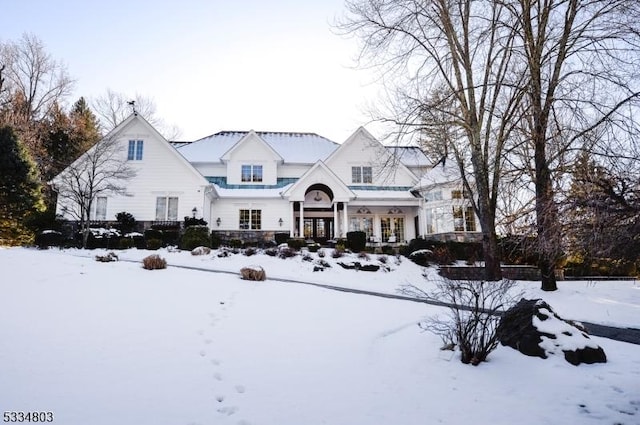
(531, 273)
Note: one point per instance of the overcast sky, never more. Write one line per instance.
(210, 65)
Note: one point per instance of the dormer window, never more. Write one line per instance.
(135, 150)
(361, 175)
(251, 173)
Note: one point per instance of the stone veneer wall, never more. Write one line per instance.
(508, 272)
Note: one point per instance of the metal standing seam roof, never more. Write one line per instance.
(301, 148)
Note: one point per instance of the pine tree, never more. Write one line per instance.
(20, 190)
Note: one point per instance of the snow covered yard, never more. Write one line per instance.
(98, 343)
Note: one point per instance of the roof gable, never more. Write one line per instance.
(293, 148)
(361, 148)
(319, 174)
(255, 144)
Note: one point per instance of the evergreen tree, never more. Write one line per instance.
(20, 190)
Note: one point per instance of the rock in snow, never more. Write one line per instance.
(532, 328)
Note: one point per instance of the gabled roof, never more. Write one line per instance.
(319, 173)
(251, 135)
(440, 175)
(411, 156)
(302, 148)
(115, 133)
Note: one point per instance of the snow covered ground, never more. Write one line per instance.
(112, 343)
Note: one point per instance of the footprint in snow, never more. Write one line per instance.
(215, 362)
(217, 376)
(203, 353)
(240, 389)
(229, 410)
(219, 398)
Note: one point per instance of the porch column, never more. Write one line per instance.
(301, 226)
(292, 219)
(344, 221)
(335, 220)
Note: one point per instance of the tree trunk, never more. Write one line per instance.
(547, 222)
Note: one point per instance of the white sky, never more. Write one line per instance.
(209, 65)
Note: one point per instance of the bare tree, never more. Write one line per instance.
(102, 170)
(34, 75)
(449, 66)
(582, 63)
(113, 107)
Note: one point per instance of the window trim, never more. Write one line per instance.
(135, 150)
(362, 174)
(249, 219)
(167, 207)
(255, 173)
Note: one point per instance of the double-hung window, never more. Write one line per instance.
(166, 208)
(361, 174)
(135, 150)
(251, 173)
(250, 219)
(101, 208)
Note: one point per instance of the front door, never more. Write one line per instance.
(320, 229)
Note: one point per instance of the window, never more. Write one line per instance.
(166, 208)
(470, 220)
(135, 150)
(361, 175)
(464, 219)
(459, 194)
(251, 173)
(392, 229)
(250, 219)
(101, 208)
(364, 224)
(435, 195)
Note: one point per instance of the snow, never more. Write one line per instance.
(104, 343)
(304, 148)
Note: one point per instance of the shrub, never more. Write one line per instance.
(126, 243)
(314, 247)
(201, 250)
(383, 259)
(307, 257)
(286, 252)
(256, 273)
(195, 236)
(48, 238)
(321, 253)
(474, 314)
(442, 255)
(152, 234)
(387, 249)
(126, 222)
(171, 237)
(337, 252)
(154, 244)
(357, 240)
(107, 258)
(250, 251)
(363, 256)
(271, 252)
(281, 237)
(215, 240)
(154, 262)
(296, 243)
(192, 221)
(235, 243)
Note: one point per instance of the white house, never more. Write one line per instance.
(249, 184)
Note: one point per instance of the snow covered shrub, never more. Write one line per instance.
(307, 257)
(363, 255)
(248, 252)
(321, 253)
(253, 273)
(107, 258)
(286, 252)
(201, 250)
(475, 308)
(271, 252)
(383, 259)
(154, 262)
(337, 252)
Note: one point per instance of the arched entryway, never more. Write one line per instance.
(318, 213)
